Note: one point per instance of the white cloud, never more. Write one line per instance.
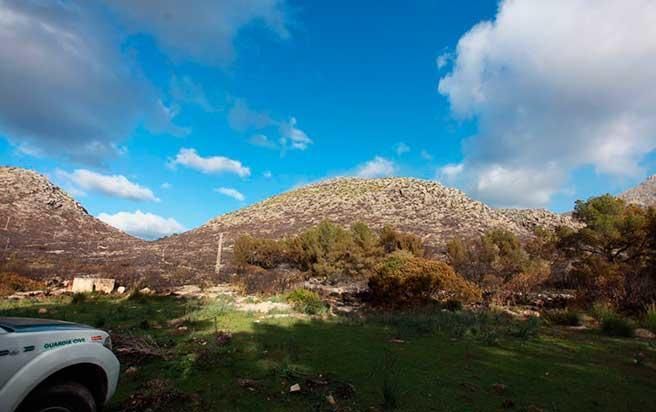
(144, 225)
(230, 192)
(262, 141)
(166, 185)
(451, 170)
(425, 155)
(377, 167)
(201, 30)
(184, 89)
(242, 118)
(267, 174)
(555, 85)
(401, 148)
(110, 185)
(442, 60)
(296, 137)
(67, 87)
(213, 164)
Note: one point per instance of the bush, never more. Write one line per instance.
(565, 317)
(616, 326)
(79, 298)
(306, 301)
(650, 317)
(391, 241)
(602, 310)
(11, 283)
(406, 280)
(265, 253)
(255, 280)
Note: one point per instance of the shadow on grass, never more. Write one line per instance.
(405, 362)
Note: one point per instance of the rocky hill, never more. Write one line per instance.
(644, 194)
(425, 208)
(43, 231)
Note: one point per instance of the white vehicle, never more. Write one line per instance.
(54, 366)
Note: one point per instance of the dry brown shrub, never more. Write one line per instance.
(255, 280)
(11, 283)
(406, 280)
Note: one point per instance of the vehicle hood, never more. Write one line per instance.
(19, 325)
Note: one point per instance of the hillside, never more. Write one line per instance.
(644, 194)
(425, 208)
(43, 231)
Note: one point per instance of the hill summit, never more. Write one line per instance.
(426, 208)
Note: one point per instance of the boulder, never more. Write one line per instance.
(644, 334)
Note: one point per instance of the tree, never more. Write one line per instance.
(613, 255)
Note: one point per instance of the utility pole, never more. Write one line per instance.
(7, 224)
(217, 268)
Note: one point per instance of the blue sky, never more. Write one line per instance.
(184, 111)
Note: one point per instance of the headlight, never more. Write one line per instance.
(108, 343)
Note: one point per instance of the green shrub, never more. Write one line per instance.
(527, 329)
(616, 326)
(650, 317)
(306, 301)
(136, 296)
(566, 317)
(602, 310)
(79, 298)
(406, 280)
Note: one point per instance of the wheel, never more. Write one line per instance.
(61, 397)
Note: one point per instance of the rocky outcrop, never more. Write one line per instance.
(530, 219)
(644, 194)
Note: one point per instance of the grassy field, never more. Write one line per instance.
(422, 361)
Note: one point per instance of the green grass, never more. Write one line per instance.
(421, 361)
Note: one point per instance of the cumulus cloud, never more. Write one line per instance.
(243, 118)
(185, 89)
(67, 88)
(267, 174)
(261, 140)
(401, 148)
(451, 170)
(554, 86)
(201, 30)
(211, 164)
(143, 225)
(230, 192)
(82, 180)
(442, 60)
(292, 135)
(377, 167)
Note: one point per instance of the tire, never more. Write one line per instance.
(61, 397)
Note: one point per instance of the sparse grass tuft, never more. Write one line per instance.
(650, 317)
(306, 301)
(565, 317)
